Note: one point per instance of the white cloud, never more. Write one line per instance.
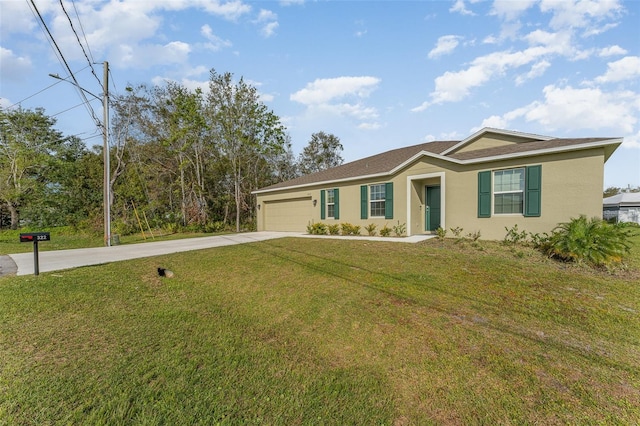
(230, 10)
(269, 22)
(455, 86)
(626, 68)
(14, 67)
(461, 8)
(146, 56)
(327, 89)
(536, 70)
(586, 14)
(578, 109)
(215, 43)
(325, 98)
(445, 45)
(612, 51)
(510, 9)
(632, 141)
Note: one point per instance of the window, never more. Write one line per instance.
(331, 203)
(377, 200)
(508, 191)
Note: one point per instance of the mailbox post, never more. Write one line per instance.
(35, 237)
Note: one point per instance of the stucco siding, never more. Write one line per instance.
(491, 141)
(571, 184)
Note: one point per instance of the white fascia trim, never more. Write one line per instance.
(498, 131)
(443, 211)
(325, 182)
(590, 145)
(508, 156)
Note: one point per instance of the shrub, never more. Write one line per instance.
(317, 228)
(371, 229)
(333, 229)
(593, 242)
(514, 236)
(385, 231)
(349, 229)
(457, 231)
(399, 229)
(441, 233)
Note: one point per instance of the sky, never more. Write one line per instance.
(377, 74)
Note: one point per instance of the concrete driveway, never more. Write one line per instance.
(23, 264)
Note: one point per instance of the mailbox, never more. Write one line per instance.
(35, 238)
(30, 237)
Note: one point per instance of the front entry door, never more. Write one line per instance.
(432, 210)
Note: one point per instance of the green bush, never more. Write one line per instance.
(333, 229)
(400, 229)
(593, 242)
(441, 233)
(371, 229)
(385, 231)
(349, 229)
(317, 228)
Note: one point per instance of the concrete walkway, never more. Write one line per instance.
(23, 264)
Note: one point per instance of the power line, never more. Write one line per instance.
(40, 91)
(64, 61)
(93, 71)
(84, 35)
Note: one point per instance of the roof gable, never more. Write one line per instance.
(483, 146)
(493, 138)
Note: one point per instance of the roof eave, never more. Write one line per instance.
(498, 131)
(580, 147)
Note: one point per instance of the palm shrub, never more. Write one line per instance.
(593, 242)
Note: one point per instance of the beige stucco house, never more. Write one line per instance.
(491, 180)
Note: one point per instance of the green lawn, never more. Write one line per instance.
(65, 238)
(307, 331)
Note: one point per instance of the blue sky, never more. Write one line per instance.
(377, 74)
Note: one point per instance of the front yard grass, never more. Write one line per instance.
(308, 331)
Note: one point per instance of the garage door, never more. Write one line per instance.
(287, 215)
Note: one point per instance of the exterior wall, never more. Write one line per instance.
(491, 140)
(571, 185)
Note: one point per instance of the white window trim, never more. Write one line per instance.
(330, 204)
(494, 193)
(371, 201)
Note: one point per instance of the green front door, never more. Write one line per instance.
(432, 210)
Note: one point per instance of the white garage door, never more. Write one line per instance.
(287, 215)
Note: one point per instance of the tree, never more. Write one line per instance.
(323, 152)
(28, 146)
(246, 132)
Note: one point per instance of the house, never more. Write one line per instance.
(623, 207)
(491, 180)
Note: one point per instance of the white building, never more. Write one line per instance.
(623, 207)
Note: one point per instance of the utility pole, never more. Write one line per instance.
(106, 194)
(106, 155)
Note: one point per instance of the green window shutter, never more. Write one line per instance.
(323, 207)
(336, 203)
(388, 200)
(484, 194)
(364, 202)
(533, 191)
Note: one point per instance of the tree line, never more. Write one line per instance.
(179, 158)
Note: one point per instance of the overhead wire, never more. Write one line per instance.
(42, 90)
(93, 71)
(64, 62)
(84, 35)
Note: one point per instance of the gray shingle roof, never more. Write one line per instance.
(387, 162)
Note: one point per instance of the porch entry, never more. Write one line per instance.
(432, 208)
